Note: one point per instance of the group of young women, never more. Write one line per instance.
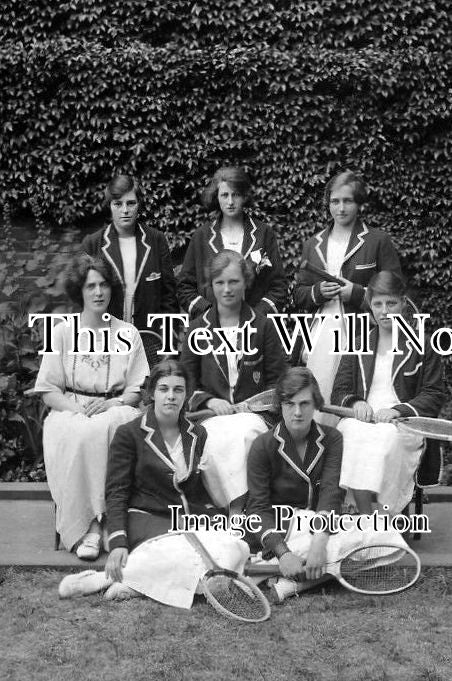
(235, 460)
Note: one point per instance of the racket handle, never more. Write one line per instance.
(326, 276)
(344, 412)
(196, 415)
(258, 570)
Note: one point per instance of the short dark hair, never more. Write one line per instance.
(385, 283)
(348, 177)
(291, 382)
(228, 257)
(167, 367)
(236, 178)
(76, 273)
(120, 185)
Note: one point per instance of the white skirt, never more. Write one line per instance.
(75, 457)
(382, 459)
(168, 568)
(223, 463)
(340, 544)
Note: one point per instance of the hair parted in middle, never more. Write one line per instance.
(291, 382)
(236, 178)
(228, 257)
(347, 177)
(76, 273)
(166, 367)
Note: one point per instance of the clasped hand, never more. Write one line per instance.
(97, 405)
(329, 289)
(364, 412)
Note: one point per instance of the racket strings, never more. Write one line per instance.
(380, 573)
(235, 597)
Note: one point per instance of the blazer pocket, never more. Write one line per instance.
(154, 276)
(366, 266)
(253, 362)
(414, 371)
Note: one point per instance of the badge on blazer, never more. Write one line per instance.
(256, 377)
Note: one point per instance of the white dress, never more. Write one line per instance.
(377, 456)
(75, 445)
(321, 361)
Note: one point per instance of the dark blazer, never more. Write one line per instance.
(417, 381)
(141, 474)
(257, 372)
(269, 289)
(155, 283)
(369, 251)
(277, 476)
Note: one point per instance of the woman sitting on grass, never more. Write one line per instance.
(296, 467)
(378, 458)
(153, 465)
(90, 395)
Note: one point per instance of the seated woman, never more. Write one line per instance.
(296, 464)
(154, 463)
(381, 386)
(228, 193)
(296, 467)
(220, 381)
(89, 395)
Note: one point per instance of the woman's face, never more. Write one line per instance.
(384, 304)
(169, 397)
(343, 207)
(298, 413)
(96, 293)
(124, 212)
(229, 287)
(231, 202)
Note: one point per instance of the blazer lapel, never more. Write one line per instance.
(211, 322)
(112, 254)
(215, 240)
(399, 361)
(367, 362)
(154, 439)
(356, 240)
(321, 247)
(189, 440)
(143, 250)
(287, 449)
(249, 236)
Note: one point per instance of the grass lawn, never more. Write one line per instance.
(327, 635)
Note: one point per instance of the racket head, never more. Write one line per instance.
(263, 401)
(436, 429)
(378, 570)
(235, 596)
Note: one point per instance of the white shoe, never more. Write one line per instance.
(89, 548)
(120, 592)
(285, 588)
(83, 584)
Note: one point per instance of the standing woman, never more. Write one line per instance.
(138, 254)
(90, 394)
(221, 378)
(350, 251)
(229, 193)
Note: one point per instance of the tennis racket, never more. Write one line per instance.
(258, 403)
(436, 429)
(376, 570)
(323, 275)
(228, 592)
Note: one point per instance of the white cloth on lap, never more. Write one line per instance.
(223, 463)
(380, 458)
(168, 568)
